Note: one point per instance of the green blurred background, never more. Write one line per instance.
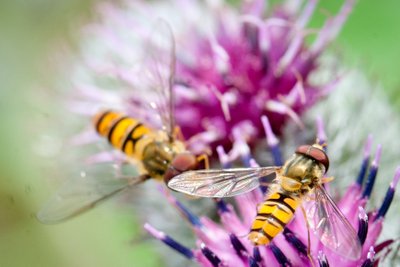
(29, 30)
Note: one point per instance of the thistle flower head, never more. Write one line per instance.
(225, 244)
(233, 64)
(253, 65)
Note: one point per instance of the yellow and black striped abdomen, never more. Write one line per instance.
(272, 217)
(124, 133)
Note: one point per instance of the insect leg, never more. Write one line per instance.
(178, 134)
(204, 158)
(308, 236)
(139, 179)
(327, 179)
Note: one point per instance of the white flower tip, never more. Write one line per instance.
(321, 255)
(237, 135)
(300, 89)
(271, 137)
(283, 108)
(154, 232)
(221, 57)
(362, 215)
(221, 150)
(147, 226)
(396, 178)
(371, 253)
(223, 157)
(242, 147)
(377, 155)
(253, 163)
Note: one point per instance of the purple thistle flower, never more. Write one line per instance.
(225, 244)
(260, 67)
(233, 65)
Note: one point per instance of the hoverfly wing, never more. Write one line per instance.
(220, 183)
(332, 227)
(159, 73)
(83, 192)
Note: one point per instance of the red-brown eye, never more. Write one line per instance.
(314, 153)
(181, 163)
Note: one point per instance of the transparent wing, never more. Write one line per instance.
(220, 183)
(332, 227)
(84, 191)
(159, 73)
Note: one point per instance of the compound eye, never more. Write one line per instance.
(181, 163)
(314, 153)
(184, 162)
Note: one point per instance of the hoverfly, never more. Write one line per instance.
(300, 177)
(156, 154)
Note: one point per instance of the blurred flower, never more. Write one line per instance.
(234, 64)
(223, 244)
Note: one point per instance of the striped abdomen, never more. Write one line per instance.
(272, 216)
(124, 133)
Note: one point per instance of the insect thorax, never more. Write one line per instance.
(158, 155)
(300, 174)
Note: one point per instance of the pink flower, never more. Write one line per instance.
(251, 65)
(225, 244)
(234, 64)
